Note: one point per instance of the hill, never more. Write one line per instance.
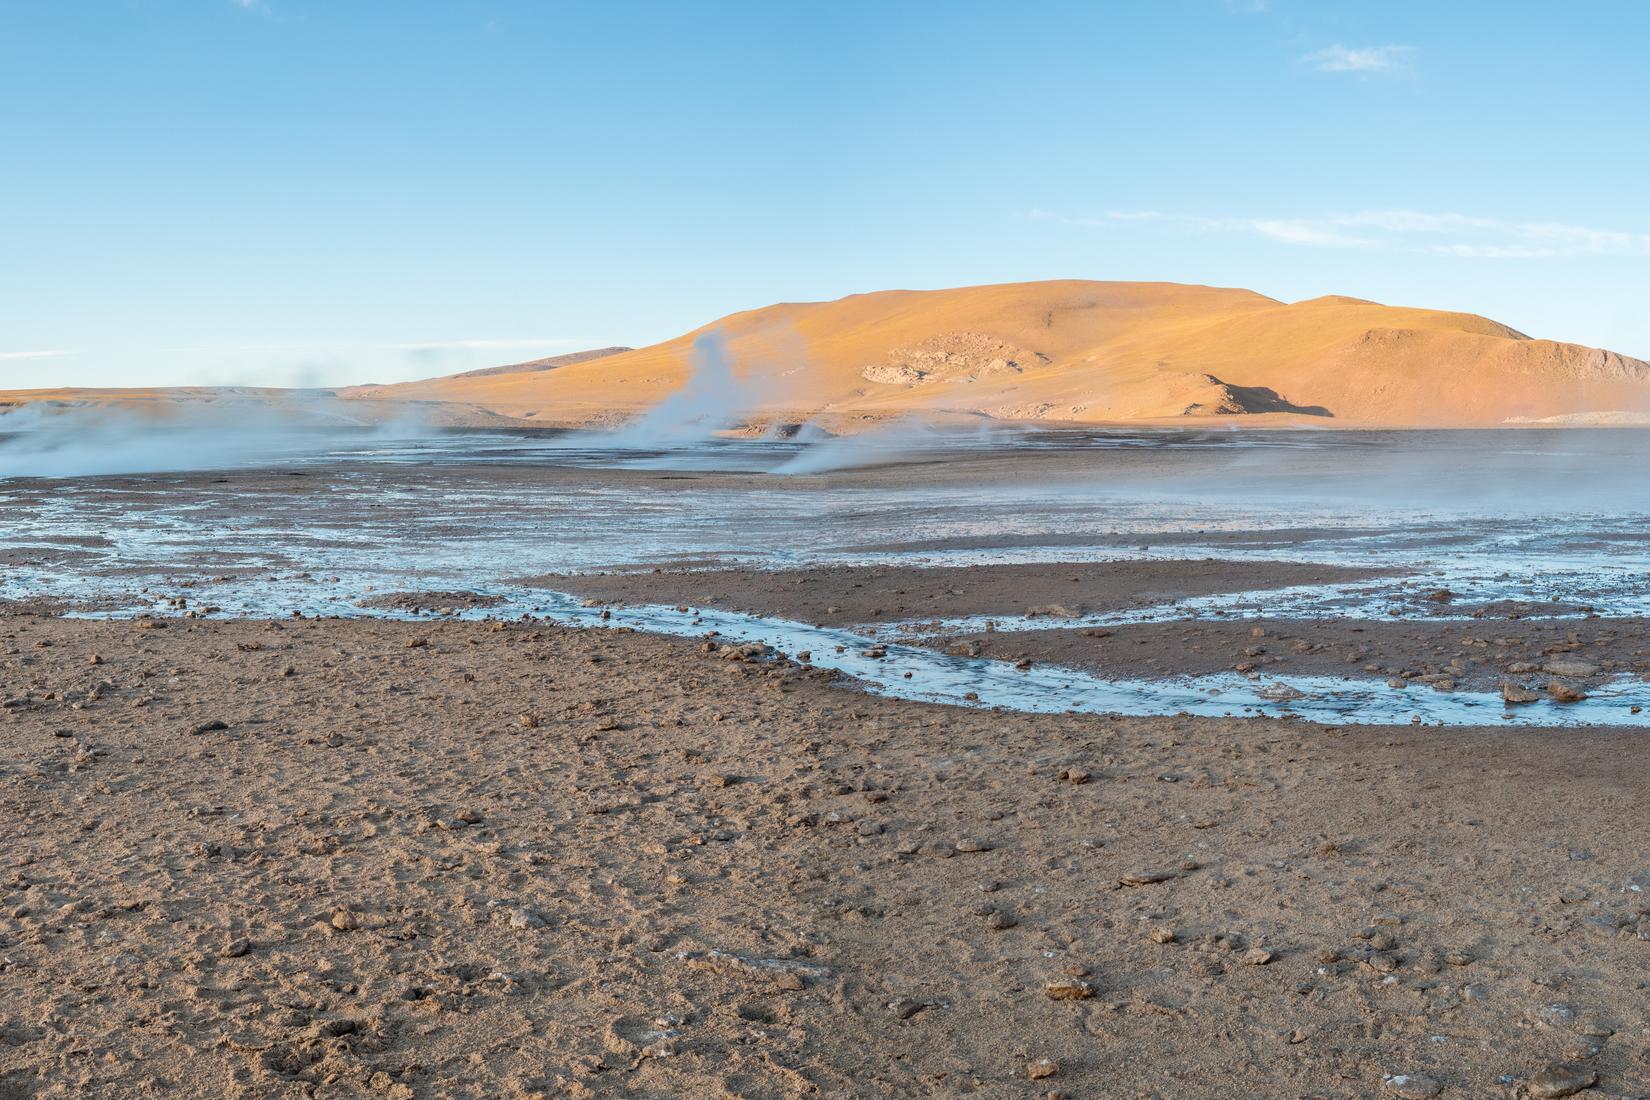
(1093, 352)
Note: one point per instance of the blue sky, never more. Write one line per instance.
(299, 191)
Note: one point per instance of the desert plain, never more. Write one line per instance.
(290, 817)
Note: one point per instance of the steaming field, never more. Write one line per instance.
(1022, 763)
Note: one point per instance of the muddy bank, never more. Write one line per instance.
(1470, 655)
(410, 860)
(840, 595)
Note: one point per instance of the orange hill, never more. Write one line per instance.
(1094, 352)
(1086, 352)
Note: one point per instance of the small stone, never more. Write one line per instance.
(1000, 920)
(1145, 878)
(345, 921)
(1565, 693)
(1069, 989)
(1514, 693)
(904, 1008)
(1413, 1086)
(973, 844)
(210, 727)
(1459, 958)
(1161, 934)
(1570, 668)
(1257, 956)
(1383, 962)
(524, 918)
(1561, 1079)
(1041, 1068)
(1075, 775)
(235, 948)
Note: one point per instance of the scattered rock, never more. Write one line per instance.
(1146, 878)
(1561, 1079)
(1069, 989)
(1413, 1086)
(904, 1008)
(974, 844)
(1565, 693)
(1041, 1068)
(1515, 693)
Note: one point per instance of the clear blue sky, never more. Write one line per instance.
(271, 191)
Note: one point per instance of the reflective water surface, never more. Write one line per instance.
(1549, 523)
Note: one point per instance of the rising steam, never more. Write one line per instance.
(66, 439)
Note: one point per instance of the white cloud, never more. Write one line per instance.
(1366, 61)
(14, 355)
(1446, 234)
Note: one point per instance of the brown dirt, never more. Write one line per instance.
(1469, 655)
(461, 860)
(840, 595)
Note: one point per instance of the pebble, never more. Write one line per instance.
(1565, 693)
(1041, 1068)
(1513, 693)
(1382, 962)
(1257, 956)
(1145, 878)
(904, 1008)
(1069, 989)
(345, 921)
(211, 727)
(973, 844)
(1413, 1086)
(1000, 920)
(1561, 1079)
(234, 949)
(524, 918)
(1162, 934)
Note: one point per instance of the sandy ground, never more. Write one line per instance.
(470, 860)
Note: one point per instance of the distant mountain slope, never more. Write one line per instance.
(550, 363)
(1086, 352)
(1095, 352)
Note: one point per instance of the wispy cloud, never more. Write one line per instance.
(1365, 61)
(1445, 234)
(54, 354)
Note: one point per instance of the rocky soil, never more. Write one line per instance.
(358, 859)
